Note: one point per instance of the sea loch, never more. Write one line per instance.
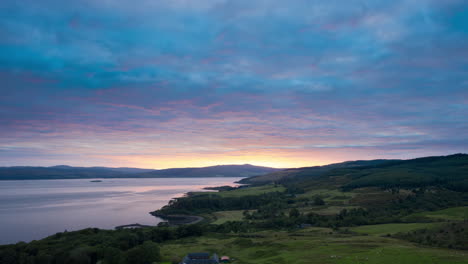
(34, 209)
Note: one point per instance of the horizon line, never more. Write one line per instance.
(231, 164)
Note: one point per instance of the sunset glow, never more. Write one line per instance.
(175, 83)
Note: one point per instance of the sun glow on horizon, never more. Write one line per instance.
(194, 160)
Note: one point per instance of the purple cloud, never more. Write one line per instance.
(305, 82)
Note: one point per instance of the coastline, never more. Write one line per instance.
(132, 208)
(182, 219)
(176, 220)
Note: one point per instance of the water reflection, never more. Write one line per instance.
(35, 209)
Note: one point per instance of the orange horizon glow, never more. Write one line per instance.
(137, 154)
(292, 159)
(274, 158)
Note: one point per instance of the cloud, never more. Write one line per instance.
(195, 79)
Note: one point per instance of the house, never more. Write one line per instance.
(200, 258)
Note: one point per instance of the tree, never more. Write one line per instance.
(42, 259)
(111, 255)
(294, 213)
(246, 214)
(319, 201)
(8, 256)
(145, 253)
(81, 255)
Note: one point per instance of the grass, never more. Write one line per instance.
(384, 229)
(451, 214)
(313, 245)
(326, 210)
(246, 191)
(329, 195)
(224, 216)
(252, 191)
(335, 201)
(320, 245)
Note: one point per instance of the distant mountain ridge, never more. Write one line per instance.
(69, 172)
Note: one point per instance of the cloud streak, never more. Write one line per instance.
(190, 83)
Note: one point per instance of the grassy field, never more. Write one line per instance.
(245, 191)
(329, 194)
(384, 229)
(313, 245)
(252, 191)
(452, 214)
(365, 244)
(368, 244)
(326, 210)
(224, 216)
(335, 201)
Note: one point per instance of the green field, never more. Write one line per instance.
(252, 191)
(314, 245)
(451, 214)
(329, 194)
(385, 229)
(224, 216)
(245, 191)
(326, 210)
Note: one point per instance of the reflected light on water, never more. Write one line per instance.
(34, 209)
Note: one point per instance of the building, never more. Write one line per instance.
(200, 258)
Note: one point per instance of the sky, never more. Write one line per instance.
(185, 83)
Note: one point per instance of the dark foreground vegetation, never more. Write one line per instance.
(93, 245)
(412, 211)
(454, 235)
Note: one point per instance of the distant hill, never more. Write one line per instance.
(445, 171)
(68, 172)
(449, 172)
(245, 170)
(308, 172)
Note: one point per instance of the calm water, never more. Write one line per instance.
(35, 209)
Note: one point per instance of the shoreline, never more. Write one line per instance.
(176, 220)
(180, 219)
(13, 233)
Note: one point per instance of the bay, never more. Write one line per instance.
(34, 209)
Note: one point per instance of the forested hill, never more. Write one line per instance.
(445, 171)
(68, 172)
(450, 172)
(308, 172)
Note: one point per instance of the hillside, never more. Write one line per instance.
(310, 172)
(68, 172)
(245, 170)
(448, 171)
(444, 171)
